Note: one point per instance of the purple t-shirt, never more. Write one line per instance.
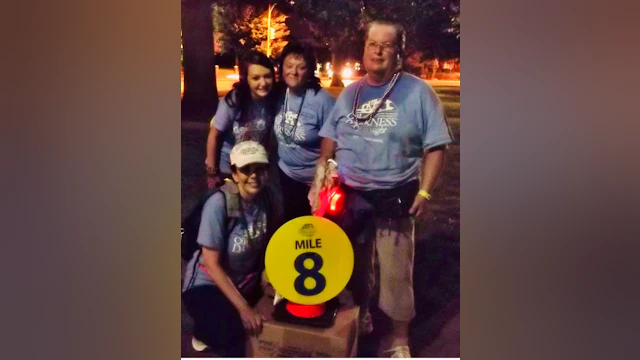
(240, 257)
(297, 134)
(386, 151)
(254, 126)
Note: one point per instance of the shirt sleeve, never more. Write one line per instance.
(212, 225)
(328, 102)
(436, 130)
(330, 125)
(224, 117)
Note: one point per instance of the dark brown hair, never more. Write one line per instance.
(240, 96)
(306, 52)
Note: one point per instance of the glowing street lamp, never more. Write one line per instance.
(271, 32)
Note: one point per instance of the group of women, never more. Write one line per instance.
(258, 119)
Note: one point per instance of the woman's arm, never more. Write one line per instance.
(432, 165)
(251, 319)
(327, 151)
(214, 147)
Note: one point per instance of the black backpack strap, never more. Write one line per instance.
(226, 235)
(275, 216)
(232, 195)
(232, 213)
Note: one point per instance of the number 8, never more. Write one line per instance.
(305, 273)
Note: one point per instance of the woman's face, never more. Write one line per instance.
(295, 71)
(260, 81)
(251, 179)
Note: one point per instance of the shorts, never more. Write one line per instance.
(393, 240)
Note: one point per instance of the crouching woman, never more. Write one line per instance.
(223, 278)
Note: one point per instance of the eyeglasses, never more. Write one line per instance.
(387, 47)
(253, 168)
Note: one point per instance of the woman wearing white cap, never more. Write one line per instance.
(222, 280)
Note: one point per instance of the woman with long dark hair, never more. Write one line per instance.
(246, 113)
(304, 106)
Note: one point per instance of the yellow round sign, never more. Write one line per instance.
(309, 260)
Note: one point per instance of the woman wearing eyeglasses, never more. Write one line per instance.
(246, 113)
(222, 280)
(304, 106)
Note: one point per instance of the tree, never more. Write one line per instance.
(243, 27)
(279, 33)
(430, 25)
(200, 94)
(229, 23)
(335, 24)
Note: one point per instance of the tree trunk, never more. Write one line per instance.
(200, 93)
(336, 62)
(435, 68)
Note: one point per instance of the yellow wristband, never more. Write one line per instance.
(424, 194)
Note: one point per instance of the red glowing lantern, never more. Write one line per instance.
(329, 201)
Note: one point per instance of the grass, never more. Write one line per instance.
(444, 213)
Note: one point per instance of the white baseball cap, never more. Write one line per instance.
(248, 152)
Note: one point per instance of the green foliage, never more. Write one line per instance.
(334, 23)
(241, 27)
(259, 32)
(432, 26)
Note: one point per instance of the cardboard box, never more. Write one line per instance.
(279, 339)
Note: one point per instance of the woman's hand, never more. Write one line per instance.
(214, 181)
(331, 177)
(267, 288)
(418, 207)
(313, 198)
(316, 186)
(252, 320)
(213, 177)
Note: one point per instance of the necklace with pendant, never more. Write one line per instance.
(290, 136)
(253, 232)
(249, 122)
(362, 119)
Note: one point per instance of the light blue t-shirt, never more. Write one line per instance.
(298, 139)
(238, 257)
(386, 151)
(254, 126)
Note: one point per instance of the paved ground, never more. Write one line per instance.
(435, 332)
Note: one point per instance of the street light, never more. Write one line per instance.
(269, 27)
